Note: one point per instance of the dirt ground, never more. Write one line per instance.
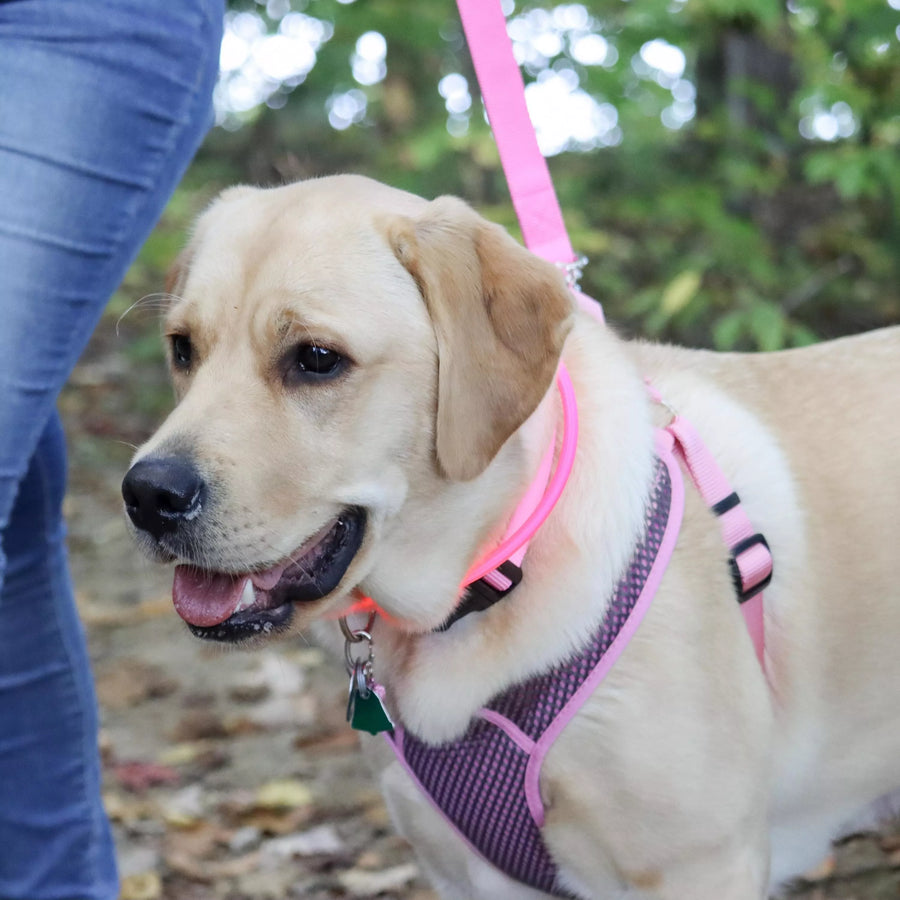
(233, 775)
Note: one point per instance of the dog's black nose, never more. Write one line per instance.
(161, 494)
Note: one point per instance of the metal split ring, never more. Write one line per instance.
(357, 636)
(348, 652)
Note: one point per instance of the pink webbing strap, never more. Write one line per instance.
(527, 175)
(750, 552)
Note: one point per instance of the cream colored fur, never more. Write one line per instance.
(687, 774)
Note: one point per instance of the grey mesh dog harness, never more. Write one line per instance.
(486, 783)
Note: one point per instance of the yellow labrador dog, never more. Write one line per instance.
(366, 387)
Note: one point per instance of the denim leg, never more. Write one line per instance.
(55, 839)
(102, 105)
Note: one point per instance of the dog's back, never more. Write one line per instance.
(826, 491)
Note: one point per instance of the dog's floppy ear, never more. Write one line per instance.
(501, 316)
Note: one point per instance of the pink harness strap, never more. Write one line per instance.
(750, 556)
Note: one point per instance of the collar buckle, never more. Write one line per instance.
(484, 592)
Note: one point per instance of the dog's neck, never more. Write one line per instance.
(446, 526)
(437, 681)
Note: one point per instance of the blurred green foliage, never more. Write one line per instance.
(744, 228)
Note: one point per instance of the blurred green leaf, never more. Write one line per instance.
(680, 291)
(767, 325)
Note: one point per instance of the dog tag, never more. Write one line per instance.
(365, 711)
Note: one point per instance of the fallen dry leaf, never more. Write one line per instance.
(199, 725)
(243, 725)
(369, 859)
(129, 809)
(145, 886)
(138, 859)
(140, 776)
(341, 738)
(375, 813)
(366, 883)
(206, 871)
(323, 840)
(181, 754)
(202, 841)
(182, 863)
(268, 821)
(267, 884)
(128, 682)
(186, 808)
(197, 755)
(285, 793)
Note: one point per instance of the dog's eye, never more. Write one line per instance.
(317, 361)
(182, 351)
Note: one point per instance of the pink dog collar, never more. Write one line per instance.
(492, 577)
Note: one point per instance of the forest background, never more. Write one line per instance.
(729, 167)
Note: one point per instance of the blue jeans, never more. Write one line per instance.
(102, 105)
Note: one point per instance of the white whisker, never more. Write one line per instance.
(159, 302)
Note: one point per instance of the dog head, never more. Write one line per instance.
(349, 361)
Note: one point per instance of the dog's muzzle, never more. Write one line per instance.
(165, 498)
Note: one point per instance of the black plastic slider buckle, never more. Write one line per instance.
(736, 551)
(481, 595)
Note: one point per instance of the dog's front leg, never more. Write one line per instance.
(455, 871)
(737, 871)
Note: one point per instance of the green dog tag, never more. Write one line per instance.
(365, 711)
(370, 715)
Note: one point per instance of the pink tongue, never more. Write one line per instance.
(205, 598)
(265, 581)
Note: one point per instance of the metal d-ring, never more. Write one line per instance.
(354, 637)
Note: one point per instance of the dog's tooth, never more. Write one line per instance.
(248, 596)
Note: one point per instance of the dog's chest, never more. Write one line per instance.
(487, 783)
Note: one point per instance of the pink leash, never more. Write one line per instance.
(544, 232)
(527, 175)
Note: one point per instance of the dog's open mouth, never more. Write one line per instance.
(233, 607)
